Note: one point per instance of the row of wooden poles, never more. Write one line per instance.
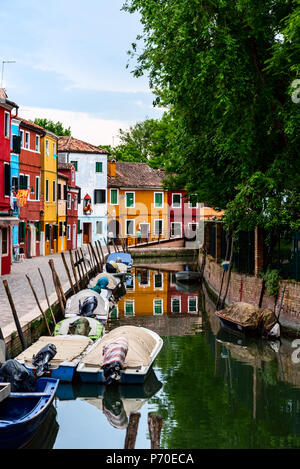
(155, 422)
(83, 270)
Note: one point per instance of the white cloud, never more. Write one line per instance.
(84, 126)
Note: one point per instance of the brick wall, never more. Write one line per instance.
(247, 288)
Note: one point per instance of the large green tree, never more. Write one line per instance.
(225, 69)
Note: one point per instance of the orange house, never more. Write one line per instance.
(137, 204)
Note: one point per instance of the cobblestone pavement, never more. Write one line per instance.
(22, 294)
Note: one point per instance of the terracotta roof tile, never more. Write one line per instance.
(73, 145)
(138, 175)
(64, 165)
(28, 123)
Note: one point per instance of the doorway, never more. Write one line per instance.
(87, 233)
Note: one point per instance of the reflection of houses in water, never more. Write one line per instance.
(155, 293)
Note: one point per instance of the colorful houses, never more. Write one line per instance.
(73, 197)
(6, 211)
(90, 164)
(30, 210)
(137, 202)
(48, 193)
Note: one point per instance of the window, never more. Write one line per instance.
(27, 140)
(37, 143)
(130, 199)
(176, 229)
(24, 181)
(61, 233)
(129, 308)
(22, 138)
(99, 196)
(143, 277)
(4, 241)
(37, 225)
(75, 164)
(21, 231)
(175, 305)
(75, 202)
(158, 199)
(158, 227)
(130, 227)
(158, 306)
(99, 227)
(99, 168)
(69, 202)
(47, 190)
(73, 176)
(37, 188)
(47, 147)
(54, 191)
(54, 150)
(47, 232)
(176, 200)
(7, 188)
(114, 196)
(68, 232)
(114, 313)
(193, 304)
(6, 124)
(14, 184)
(158, 280)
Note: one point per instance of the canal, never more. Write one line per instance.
(212, 389)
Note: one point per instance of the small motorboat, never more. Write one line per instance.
(69, 350)
(88, 303)
(22, 413)
(130, 366)
(121, 257)
(79, 325)
(188, 275)
(113, 282)
(251, 320)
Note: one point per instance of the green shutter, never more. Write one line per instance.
(98, 167)
(75, 164)
(114, 196)
(129, 199)
(158, 199)
(158, 306)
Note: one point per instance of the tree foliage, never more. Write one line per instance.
(55, 127)
(225, 69)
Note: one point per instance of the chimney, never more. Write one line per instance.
(111, 170)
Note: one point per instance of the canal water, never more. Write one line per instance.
(212, 389)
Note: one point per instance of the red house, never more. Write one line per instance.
(73, 196)
(6, 218)
(30, 180)
(184, 215)
(179, 301)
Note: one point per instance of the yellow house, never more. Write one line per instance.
(147, 295)
(62, 181)
(137, 204)
(49, 193)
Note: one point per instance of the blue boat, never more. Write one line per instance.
(125, 258)
(22, 413)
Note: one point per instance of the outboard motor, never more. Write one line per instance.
(42, 358)
(20, 379)
(88, 306)
(114, 357)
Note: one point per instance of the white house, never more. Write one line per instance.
(91, 176)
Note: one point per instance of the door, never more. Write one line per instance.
(145, 230)
(86, 233)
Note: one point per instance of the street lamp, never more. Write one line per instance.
(5, 62)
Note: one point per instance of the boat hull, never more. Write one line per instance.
(187, 276)
(24, 413)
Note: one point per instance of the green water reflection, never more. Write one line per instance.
(213, 390)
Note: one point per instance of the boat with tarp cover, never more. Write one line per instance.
(143, 347)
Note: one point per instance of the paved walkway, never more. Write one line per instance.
(25, 303)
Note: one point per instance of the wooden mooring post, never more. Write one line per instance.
(68, 272)
(132, 429)
(98, 264)
(39, 305)
(47, 298)
(14, 312)
(74, 270)
(56, 285)
(155, 426)
(79, 267)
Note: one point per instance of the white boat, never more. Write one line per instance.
(143, 347)
(113, 282)
(74, 303)
(70, 349)
(96, 328)
(187, 276)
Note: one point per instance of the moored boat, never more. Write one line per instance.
(22, 413)
(143, 347)
(88, 327)
(69, 351)
(122, 257)
(97, 305)
(188, 276)
(250, 320)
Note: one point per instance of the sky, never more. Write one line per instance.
(70, 65)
